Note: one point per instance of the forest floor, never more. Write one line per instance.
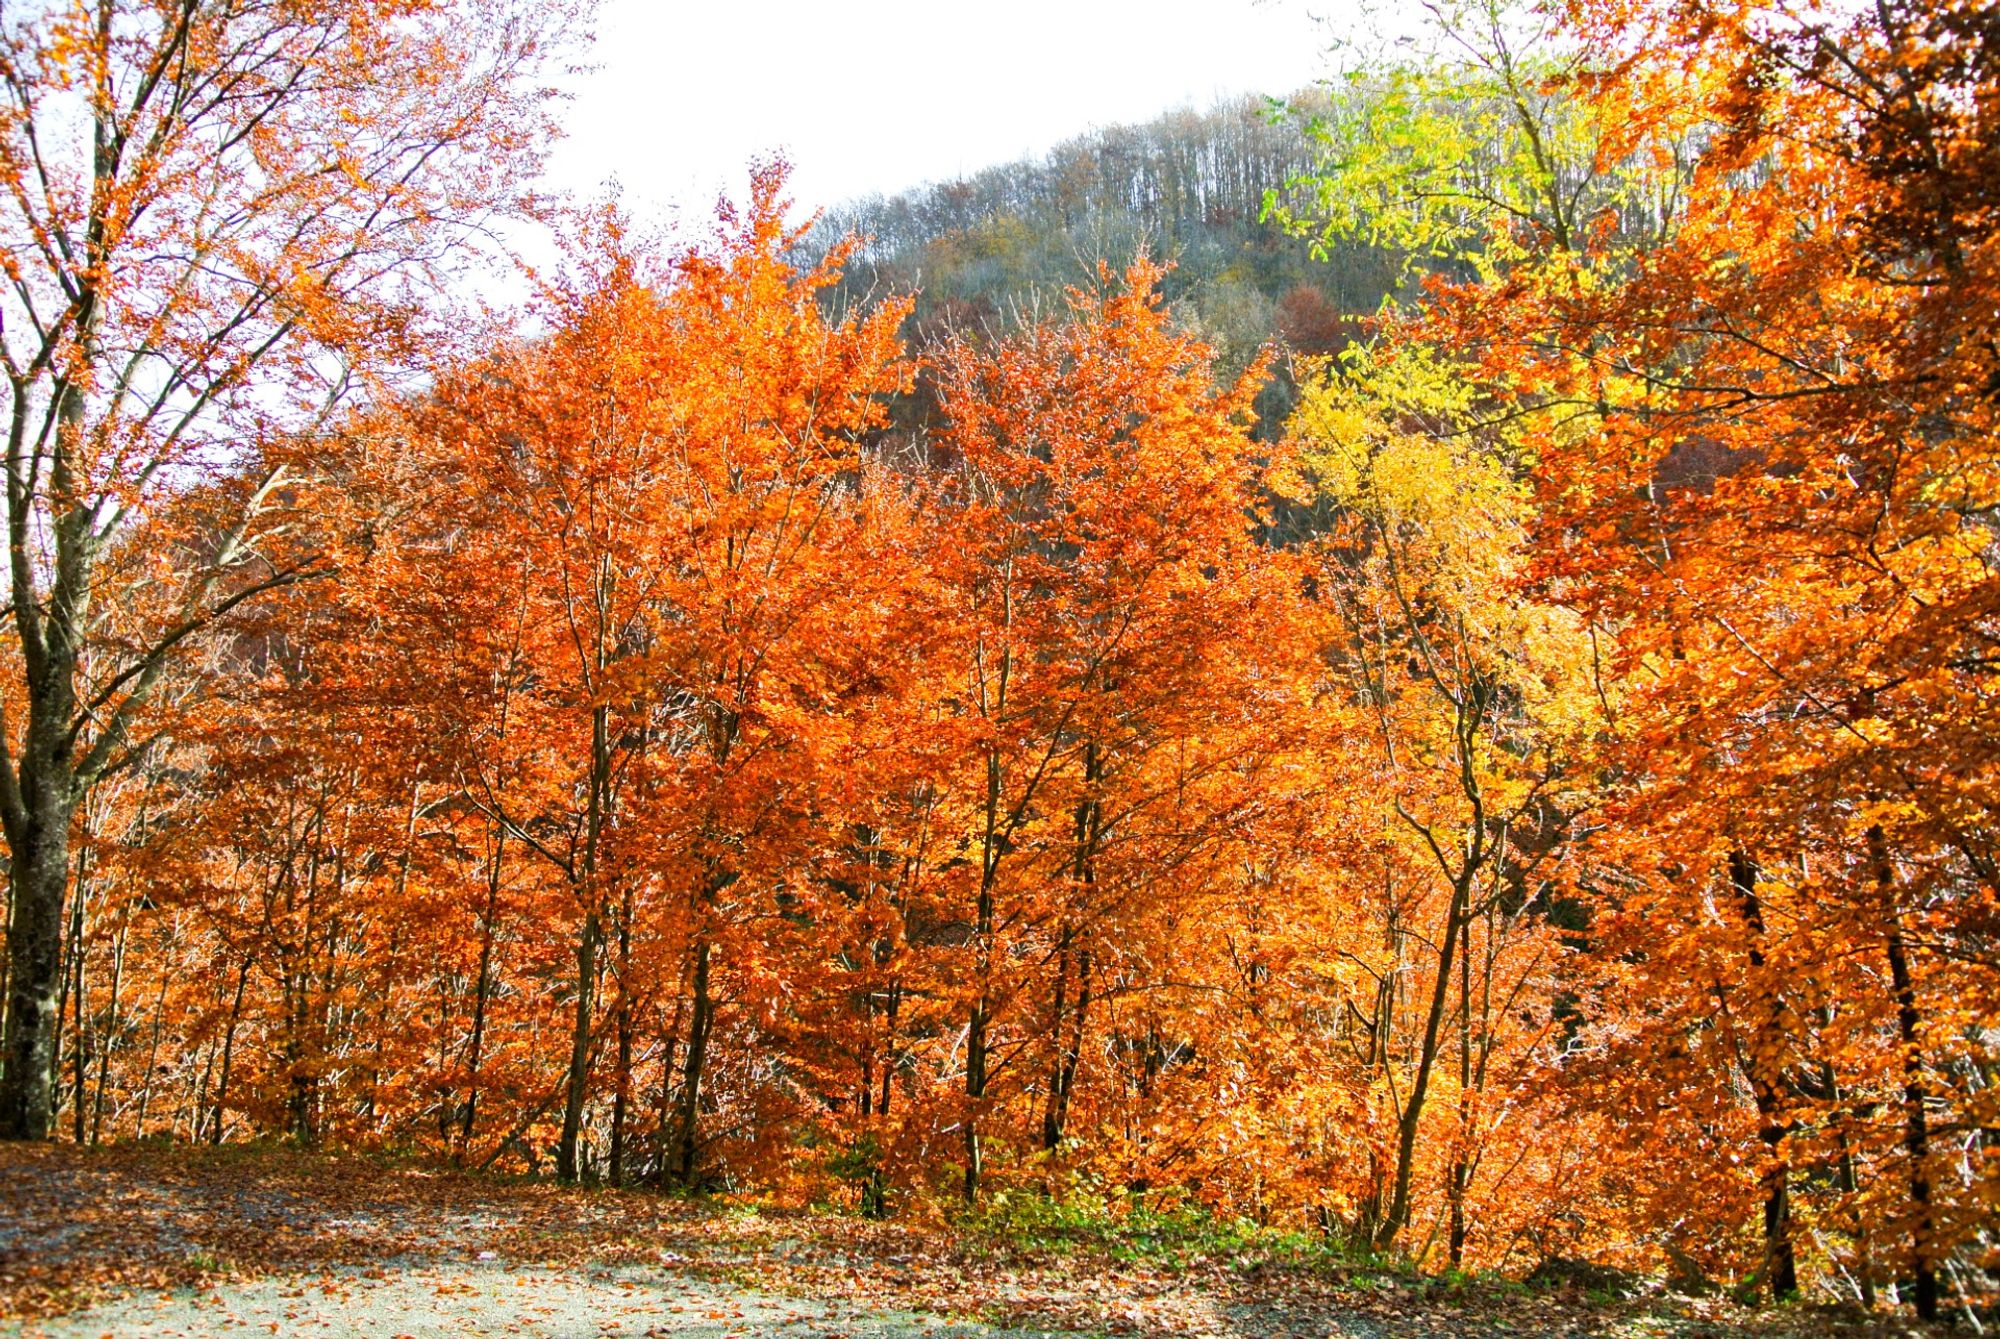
(143, 1240)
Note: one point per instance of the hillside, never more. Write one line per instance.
(1189, 188)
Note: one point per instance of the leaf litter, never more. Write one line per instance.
(150, 1240)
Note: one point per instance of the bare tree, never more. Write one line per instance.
(218, 215)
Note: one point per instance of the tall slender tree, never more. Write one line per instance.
(216, 215)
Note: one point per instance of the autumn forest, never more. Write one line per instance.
(1417, 664)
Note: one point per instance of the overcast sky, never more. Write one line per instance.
(879, 95)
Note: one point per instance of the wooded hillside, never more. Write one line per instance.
(1192, 189)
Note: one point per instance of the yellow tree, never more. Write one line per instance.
(1764, 449)
(1476, 697)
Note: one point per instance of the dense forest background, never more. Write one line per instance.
(1195, 190)
(1414, 668)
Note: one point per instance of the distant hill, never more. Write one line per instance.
(1188, 187)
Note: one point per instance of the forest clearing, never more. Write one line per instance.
(1372, 712)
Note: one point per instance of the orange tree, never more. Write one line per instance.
(672, 488)
(217, 217)
(1118, 642)
(1763, 449)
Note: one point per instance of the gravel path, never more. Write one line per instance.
(480, 1299)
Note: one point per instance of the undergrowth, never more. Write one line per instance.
(1084, 1216)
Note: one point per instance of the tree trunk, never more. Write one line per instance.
(980, 1017)
(228, 1051)
(669, 1042)
(1398, 1215)
(1781, 1263)
(40, 790)
(701, 1017)
(79, 994)
(40, 881)
(975, 1093)
(576, 1084)
(1089, 832)
(1051, 1122)
(621, 1095)
(1916, 1121)
(110, 1030)
(1069, 1055)
(482, 987)
(152, 1057)
(1459, 1176)
(1848, 1178)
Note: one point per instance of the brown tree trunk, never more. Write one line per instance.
(1849, 1180)
(152, 1058)
(975, 1093)
(621, 1094)
(1459, 1176)
(482, 989)
(701, 1018)
(1089, 832)
(40, 879)
(228, 1051)
(78, 989)
(577, 1078)
(1069, 1053)
(40, 789)
(577, 1082)
(1780, 1259)
(1398, 1213)
(1916, 1120)
(980, 1017)
(110, 1030)
(669, 1041)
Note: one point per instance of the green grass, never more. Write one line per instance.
(1083, 1216)
(209, 1262)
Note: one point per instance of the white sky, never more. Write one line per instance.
(880, 95)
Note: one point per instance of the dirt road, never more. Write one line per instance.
(481, 1299)
(172, 1241)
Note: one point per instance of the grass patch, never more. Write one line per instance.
(1084, 1217)
(204, 1262)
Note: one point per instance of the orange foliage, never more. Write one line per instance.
(1543, 807)
(1764, 459)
